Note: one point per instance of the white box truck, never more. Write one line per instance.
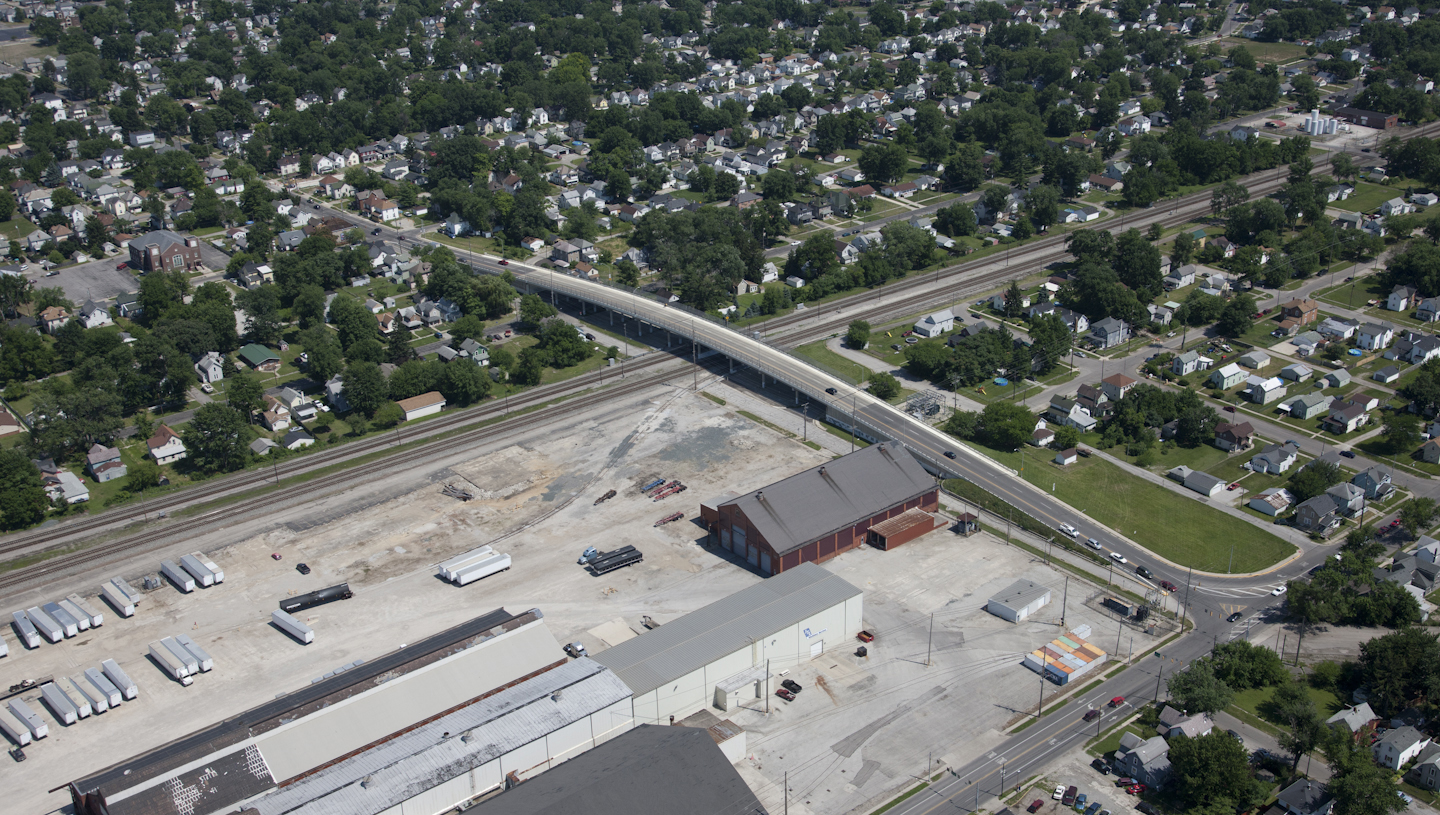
(32, 721)
(454, 564)
(59, 704)
(80, 688)
(68, 624)
(182, 579)
(186, 658)
(292, 626)
(210, 564)
(81, 618)
(96, 618)
(206, 663)
(12, 727)
(168, 662)
(101, 683)
(115, 674)
(117, 599)
(484, 568)
(197, 570)
(47, 627)
(26, 630)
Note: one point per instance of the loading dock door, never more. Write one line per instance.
(817, 648)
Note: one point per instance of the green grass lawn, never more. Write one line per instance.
(827, 360)
(1354, 294)
(16, 228)
(1367, 197)
(1175, 527)
(1256, 702)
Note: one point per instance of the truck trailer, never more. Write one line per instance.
(610, 561)
(182, 579)
(4, 648)
(76, 697)
(117, 599)
(210, 564)
(122, 680)
(292, 626)
(59, 704)
(81, 618)
(290, 605)
(197, 570)
(493, 564)
(26, 630)
(124, 588)
(169, 663)
(96, 618)
(12, 727)
(104, 686)
(69, 625)
(179, 651)
(29, 719)
(80, 688)
(48, 628)
(455, 564)
(202, 658)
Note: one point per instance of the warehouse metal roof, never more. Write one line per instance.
(636, 774)
(419, 759)
(1020, 594)
(823, 500)
(693, 641)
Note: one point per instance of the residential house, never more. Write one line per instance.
(1374, 481)
(1345, 417)
(1398, 746)
(1070, 413)
(1263, 391)
(260, 358)
(53, 318)
(1180, 277)
(1227, 377)
(1375, 336)
(211, 367)
(1354, 718)
(1319, 514)
(1341, 329)
(296, 439)
(1234, 437)
(1275, 459)
(1298, 372)
(1109, 332)
(1303, 311)
(1414, 347)
(1115, 386)
(1272, 501)
(1396, 206)
(1337, 378)
(1180, 723)
(1401, 297)
(94, 315)
(1306, 405)
(165, 446)
(1306, 797)
(933, 325)
(104, 463)
(1430, 451)
(1254, 360)
(1145, 760)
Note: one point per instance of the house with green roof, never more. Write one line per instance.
(260, 358)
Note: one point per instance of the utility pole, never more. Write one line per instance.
(1066, 599)
(787, 792)
(1157, 681)
(930, 641)
(767, 685)
(1186, 602)
(1040, 709)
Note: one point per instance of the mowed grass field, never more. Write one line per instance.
(1173, 526)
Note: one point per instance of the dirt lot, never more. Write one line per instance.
(861, 719)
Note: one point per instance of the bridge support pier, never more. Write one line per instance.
(732, 366)
(762, 381)
(797, 396)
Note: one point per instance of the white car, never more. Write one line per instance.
(1069, 530)
(1118, 558)
(1093, 544)
(1058, 794)
(1279, 590)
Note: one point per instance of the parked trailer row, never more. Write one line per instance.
(292, 626)
(29, 718)
(210, 564)
(26, 630)
(290, 605)
(48, 628)
(122, 681)
(96, 618)
(491, 565)
(12, 727)
(64, 708)
(100, 702)
(169, 663)
(81, 618)
(118, 600)
(202, 659)
(69, 625)
(197, 570)
(455, 564)
(182, 579)
(102, 683)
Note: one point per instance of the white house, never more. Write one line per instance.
(1398, 747)
(165, 446)
(211, 367)
(933, 325)
(1375, 336)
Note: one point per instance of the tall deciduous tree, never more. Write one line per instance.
(215, 439)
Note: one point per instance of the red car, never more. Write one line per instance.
(1234, 486)
(1394, 523)
(504, 263)
(1168, 586)
(1136, 789)
(1035, 805)
(785, 694)
(1117, 701)
(122, 266)
(865, 636)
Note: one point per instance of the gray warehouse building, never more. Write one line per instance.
(1021, 599)
(717, 655)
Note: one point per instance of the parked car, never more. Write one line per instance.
(1145, 807)
(1035, 805)
(302, 568)
(120, 267)
(1093, 808)
(1136, 789)
(1236, 736)
(1348, 453)
(206, 387)
(1058, 794)
(785, 694)
(19, 756)
(1080, 802)
(790, 685)
(1070, 793)
(1125, 781)
(1100, 765)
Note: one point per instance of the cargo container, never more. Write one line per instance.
(290, 605)
(115, 674)
(292, 626)
(12, 727)
(455, 564)
(99, 702)
(493, 564)
(197, 570)
(96, 618)
(189, 660)
(610, 561)
(81, 618)
(59, 704)
(29, 718)
(69, 625)
(202, 658)
(48, 628)
(117, 599)
(167, 661)
(99, 682)
(26, 630)
(76, 697)
(124, 588)
(182, 580)
(210, 564)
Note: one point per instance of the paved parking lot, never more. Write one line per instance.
(96, 280)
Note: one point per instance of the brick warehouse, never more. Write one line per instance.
(815, 515)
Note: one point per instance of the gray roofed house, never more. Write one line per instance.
(1109, 332)
(262, 446)
(685, 645)
(1306, 797)
(1145, 760)
(1179, 723)
(1354, 717)
(1255, 359)
(636, 774)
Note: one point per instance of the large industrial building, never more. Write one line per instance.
(426, 728)
(815, 515)
(718, 655)
(648, 771)
(1067, 657)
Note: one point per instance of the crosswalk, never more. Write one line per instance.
(1240, 591)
